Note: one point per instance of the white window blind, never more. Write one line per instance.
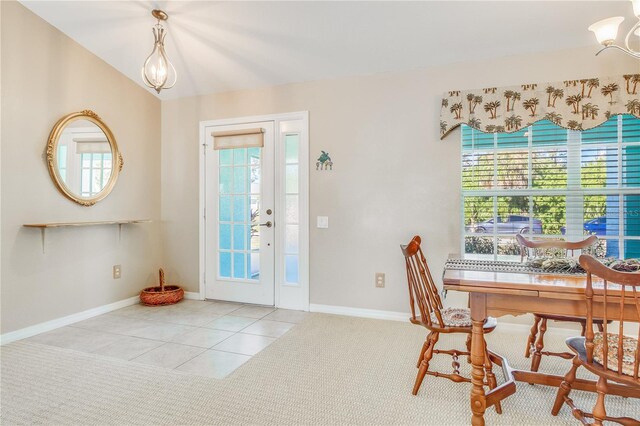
(546, 181)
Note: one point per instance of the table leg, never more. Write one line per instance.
(478, 398)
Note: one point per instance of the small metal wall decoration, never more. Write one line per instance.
(324, 162)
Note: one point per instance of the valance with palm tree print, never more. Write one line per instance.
(572, 104)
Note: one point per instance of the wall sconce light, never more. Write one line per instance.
(157, 71)
(606, 32)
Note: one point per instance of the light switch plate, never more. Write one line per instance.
(323, 221)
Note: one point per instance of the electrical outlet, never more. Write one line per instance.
(380, 279)
(323, 222)
(117, 272)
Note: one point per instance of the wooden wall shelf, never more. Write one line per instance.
(44, 226)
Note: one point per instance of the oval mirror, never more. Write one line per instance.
(83, 157)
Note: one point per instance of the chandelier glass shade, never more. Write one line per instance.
(606, 32)
(157, 71)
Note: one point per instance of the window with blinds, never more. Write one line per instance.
(546, 181)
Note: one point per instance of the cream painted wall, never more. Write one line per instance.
(46, 75)
(392, 176)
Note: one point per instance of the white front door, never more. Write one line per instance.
(239, 219)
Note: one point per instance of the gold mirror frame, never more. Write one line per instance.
(52, 154)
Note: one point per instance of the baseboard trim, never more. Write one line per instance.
(43, 327)
(359, 312)
(192, 295)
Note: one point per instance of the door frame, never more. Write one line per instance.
(285, 296)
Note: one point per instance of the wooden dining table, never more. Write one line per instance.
(497, 294)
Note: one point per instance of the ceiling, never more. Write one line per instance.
(220, 46)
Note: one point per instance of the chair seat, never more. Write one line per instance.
(628, 351)
(459, 317)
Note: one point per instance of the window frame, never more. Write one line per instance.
(574, 193)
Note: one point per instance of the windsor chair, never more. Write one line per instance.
(611, 356)
(423, 293)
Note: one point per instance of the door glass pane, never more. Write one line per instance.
(239, 236)
(238, 230)
(253, 155)
(239, 180)
(238, 265)
(225, 237)
(254, 226)
(239, 212)
(291, 239)
(254, 266)
(291, 213)
(291, 269)
(291, 180)
(224, 207)
(291, 148)
(239, 156)
(291, 209)
(254, 180)
(225, 264)
(226, 179)
(226, 156)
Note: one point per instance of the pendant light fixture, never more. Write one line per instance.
(157, 72)
(606, 32)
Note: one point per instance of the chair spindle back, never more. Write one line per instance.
(422, 289)
(568, 246)
(619, 288)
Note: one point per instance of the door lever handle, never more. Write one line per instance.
(268, 224)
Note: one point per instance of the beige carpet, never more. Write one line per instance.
(328, 370)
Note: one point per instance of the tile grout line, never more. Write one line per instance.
(175, 368)
(192, 329)
(164, 342)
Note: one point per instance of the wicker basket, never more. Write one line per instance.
(162, 294)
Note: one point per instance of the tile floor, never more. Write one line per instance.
(206, 338)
